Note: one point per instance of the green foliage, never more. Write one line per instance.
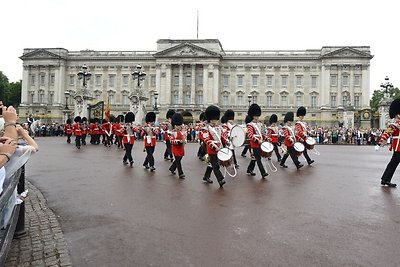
(10, 93)
(377, 96)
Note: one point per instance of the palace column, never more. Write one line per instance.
(215, 85)
(180, 88)
(193, 85)
(205, 86)
(168, 74)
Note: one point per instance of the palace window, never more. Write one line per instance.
(125, 100)
(176, 80)
(284, 80)
(52, 79)
(254, 99)
(357, 101)
(187, 98)
(333, 101)
(125, 80)
(199, 98)
(269, 101)
(333, 80)
(269, 80)
(71, 79)
(226, 80)
(42, 79)
(51, 98)
(98, 80)
(153, 80)
(112, 80)
(225, 100)
(199, 79)
(299, 100)
(239, 100)
(313, 81)
(188, 80)
(299, 81)
(254, 80)
(313, 101)
(357, 80)
(345, 99)
(175, 98)
(345, 80)
(284, 101)
(33, 79)
(240, 80)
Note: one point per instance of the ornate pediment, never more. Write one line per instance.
(347, 52)
(186, 50)
(40, 54)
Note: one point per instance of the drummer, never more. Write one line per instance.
(273, 134)
(227, 125)
(214, 137)
(290, 140)
(302, 132)
(254, 131)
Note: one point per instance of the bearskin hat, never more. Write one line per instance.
(120, 118)
(289, 117)
(150, 117)
(104, 121)
(254, 110)
(177, 119)
(248, 119)
(394, 108)
(229, 115)
(273, 119)
(96, 120)
(84, 119)
(224, 119)
(170, 112)
(77, 119)
(69, 121)
(301, 111)
(202, 116)
(212, 113)
(112, 118)
(129, 117)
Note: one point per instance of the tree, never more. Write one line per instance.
(10, 93)
(3, 86)
(377, 96)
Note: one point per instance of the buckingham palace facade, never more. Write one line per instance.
(189, 75)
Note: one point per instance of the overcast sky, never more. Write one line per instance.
(239, 25)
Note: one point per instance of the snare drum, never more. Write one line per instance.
(266, 149)
(299, 148)
(224, 156)
(237, 136)
(310, 142)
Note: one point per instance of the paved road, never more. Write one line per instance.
(332, 214)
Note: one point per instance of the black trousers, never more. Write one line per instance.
(257, 156)
(69, 138)
(108, 139)
(234, 157)
(128, 153)
(244, 151)
(78, 141)
(305, 153)
(276, 149)
(202, 150)
(149, 158)
(391, 167)
(168, 150)
(119, 141)
(177, 165)
(83, 139)
(214, 167)
(292, 152)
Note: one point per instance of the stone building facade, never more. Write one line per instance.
(333, 82)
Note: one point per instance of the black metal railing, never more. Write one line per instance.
(16, 224)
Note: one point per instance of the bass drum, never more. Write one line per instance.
(224, 156)
(299, 148)
(237, 136)
(266, 149)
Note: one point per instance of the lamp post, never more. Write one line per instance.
(385, 103)
(155, 101)
(249, 97)
(66, 109)
(82, 95)
(137, 97)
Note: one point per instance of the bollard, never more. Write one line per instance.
(20, 228)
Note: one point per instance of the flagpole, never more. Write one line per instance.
(197, 24)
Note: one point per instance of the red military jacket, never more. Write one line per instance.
(118, 129)
(106, 128)
(96, 129)
(177, 139)
(128, 134)
(273, 134)
(167, 128)
(301, 130)
(84, 128)
(394, 131)
(150, 135)
(77, 129)
(214, 137)
(67, 129)
(255, 134)
(290, 137)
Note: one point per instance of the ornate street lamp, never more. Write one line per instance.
(386, 86)
(137, 97)
(84, 74)
(82, 95)
(249, 97)
(155, 101)
(67, 94)
(138, 75)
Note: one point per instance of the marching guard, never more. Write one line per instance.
(85, 130)
(77, 131)
(226, 121)
(118, 129)
(201, 153)
(273, 135)
(178, 140)
(128, 138)
(290, 140)
(167, 128)
(214, 139)
(394, 131)
(150, 137)
(256, 136)
(302, 131)
(68, 130)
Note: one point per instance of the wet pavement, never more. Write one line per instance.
(334, 213)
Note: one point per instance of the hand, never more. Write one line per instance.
(21, 131)
(10, 114)
(7, 145)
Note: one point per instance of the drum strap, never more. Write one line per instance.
(291, 131)
(214, 134)
(256, 128)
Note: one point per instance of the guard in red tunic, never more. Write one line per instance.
(227, 124)
(118, 129)
(150, 137)
(302, 131)
(106, 131)
(202, 151)
(96, 131)
(85, 130)
(394, 131)
(273, 134)
(77, 131)
(167, 128)
(68, 130)
(215, 139)
(178, 140)
(128, 138)
(290, 140)
(255, 133)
